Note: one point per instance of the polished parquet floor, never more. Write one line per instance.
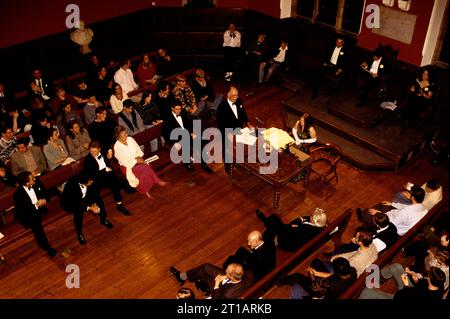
(197, 218)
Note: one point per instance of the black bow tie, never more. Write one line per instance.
(99, 157)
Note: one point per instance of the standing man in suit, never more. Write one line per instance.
(30, 199)
(231, 114)
(260, 259)
(230, 284)
(372, 76)
(79, 197)
(176, 120)
(97, 164)
(336, 63)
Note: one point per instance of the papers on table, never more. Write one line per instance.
(247, 136)
(389, 105)
(152, 159)
(278, 138)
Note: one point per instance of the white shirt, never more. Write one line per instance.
(101, 162)
(233, 108)
(281, 55)
(335, 55)
(179, 119)
(125, 79)
(431, 198)
(126, 154)
(116, 104)
(31, 193)
(41, 86)
(404, 217)
(375, 65)
(234, 42)
(379, 244)
(83, 190)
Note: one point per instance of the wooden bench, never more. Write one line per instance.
(387, 256)
(292, 260)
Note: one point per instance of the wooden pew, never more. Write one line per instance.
(292, 260)
(387, 256)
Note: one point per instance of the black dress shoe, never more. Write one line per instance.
(189, 167)
(107, 223)
(175, 273)
(207, 169)
(260, 215)
(123, 210)
(52, 252)
(81, 240)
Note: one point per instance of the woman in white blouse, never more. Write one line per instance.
(304, 132)
(117, 98)
(139, 174)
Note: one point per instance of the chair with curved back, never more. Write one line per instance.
(324, 162)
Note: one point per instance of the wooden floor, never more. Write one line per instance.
(197, 218)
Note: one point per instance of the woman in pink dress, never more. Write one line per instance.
(139, 174)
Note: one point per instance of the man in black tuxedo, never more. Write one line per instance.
(79, 197)
(97, 164)
(230, 284)
(372, 77)
(260, 259)
(178, 118)
(45, 89)
(231, 114)
(335, 64)
(30, 199)
(102, 129)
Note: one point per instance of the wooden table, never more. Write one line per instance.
(288, 169)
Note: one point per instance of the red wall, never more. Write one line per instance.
(411, 53)
(269, 7)
(232, 4)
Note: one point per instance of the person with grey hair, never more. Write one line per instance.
(292, 236)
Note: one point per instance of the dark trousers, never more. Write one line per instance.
(78, 215)
(367, 85)
(319, 73)
(111, 181)
(230, 56)
(39, 233)
(205, 273)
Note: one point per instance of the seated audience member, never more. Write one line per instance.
(439, 258)
(15, 119)
(89, 109)
(81, 93)
(61, 98)
(117, 98)
(40, 131)
(92, 64)
(102, 129)
(273, 63)
(231, 50)
(124, 77)
(219, 284)
(372, 76)
(260, 259)
(304, 132)
(27, 159)
(67, 115)
(77, 141)
(98, 165)
(204, 92)
(256, 52)
(335, 64)
(30, 200)
(55, 151)
(415, 287)
(7, 179)
(130, 119)
(433, 193)
(102, 85)
(164, 63)
(180, 120)
(404, 217)
(44, 89)
(164, 99)
(148, 110)
(146, 71)
(40, 108)
(185, 293)
(8, 144)
(79, 197)
(183, 93)
(139, 174)
(292, 236)
(335, 283)
(419, 103)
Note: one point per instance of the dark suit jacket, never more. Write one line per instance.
(49, 88)
(26, 212)
(171, 123)
(343, 57)
(72, 200)
(292, 238)
(389, 236)
(90, 164)
(227, 119)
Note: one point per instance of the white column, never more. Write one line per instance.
(285, 8)
(434, 28)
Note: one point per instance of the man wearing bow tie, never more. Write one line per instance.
(30, 200)
(231, 50)
(97, 164)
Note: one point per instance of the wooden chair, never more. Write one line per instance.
(324, 162)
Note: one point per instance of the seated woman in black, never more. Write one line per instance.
(304, 132)
(292, 236)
